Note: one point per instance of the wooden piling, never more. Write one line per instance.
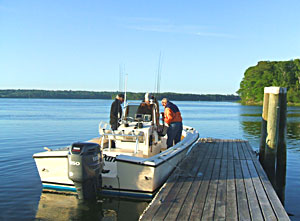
(273, 128)
(263, 137)
(281, 149)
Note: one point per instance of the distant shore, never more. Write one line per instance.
(260, 103)
(69, 94)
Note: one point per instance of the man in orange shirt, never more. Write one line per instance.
(172, 117)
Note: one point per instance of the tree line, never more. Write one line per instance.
(265, 74)
(69, 94)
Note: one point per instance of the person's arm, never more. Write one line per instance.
(114, 111)
(120, 110)
(168, 115)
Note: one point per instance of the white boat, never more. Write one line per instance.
(138, 165)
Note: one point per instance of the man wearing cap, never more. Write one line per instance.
(145, 107)
(172, 117)
(116, 111)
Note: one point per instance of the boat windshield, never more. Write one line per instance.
(142, 112)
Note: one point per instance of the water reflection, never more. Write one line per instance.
(68, 207)
(293, 131)
(253, 128)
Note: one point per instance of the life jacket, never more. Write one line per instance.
(172, 113)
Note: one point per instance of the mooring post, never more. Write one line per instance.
(281, 148)
(272, 132)
(263, 137)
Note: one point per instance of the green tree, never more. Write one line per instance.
(265, 74)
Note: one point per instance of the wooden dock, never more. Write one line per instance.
(218, 180)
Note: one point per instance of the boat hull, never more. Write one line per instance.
(128, 176)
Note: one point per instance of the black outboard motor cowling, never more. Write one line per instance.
(85, 166)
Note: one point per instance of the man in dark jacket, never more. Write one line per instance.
(116, 112)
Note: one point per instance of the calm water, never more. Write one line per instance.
(28, 125)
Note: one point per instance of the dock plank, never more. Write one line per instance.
(210, 201)
(218, 180)
(220, 150)
(274, 200)
(235, 151)
(230, 150)
(214, 151)
(189, 178)
(265, 205)
(192, 194)
(155, 205)
(231, 201)
(225, 151)
(254, 207)
(220, 210)
(171, 197)
(198, 206)
(246, 151)
(251, 151)
(240, 151)
(242, 201)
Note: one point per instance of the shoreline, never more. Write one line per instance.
(68, 94)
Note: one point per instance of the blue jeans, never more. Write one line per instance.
(174, 133)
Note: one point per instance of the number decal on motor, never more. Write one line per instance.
(109, 158)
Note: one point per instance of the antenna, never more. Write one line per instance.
(158, 78)
(155, 85)
(121, 77)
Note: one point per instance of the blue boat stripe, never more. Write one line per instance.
(60, 188)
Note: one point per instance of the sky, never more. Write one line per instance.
(205, 46)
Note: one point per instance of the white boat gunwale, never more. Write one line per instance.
(151, 160)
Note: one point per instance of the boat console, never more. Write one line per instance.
(138, 131)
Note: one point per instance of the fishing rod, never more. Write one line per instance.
(125, 89)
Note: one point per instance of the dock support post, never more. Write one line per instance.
(281, 150)
(272, 136)
(263, 137)
(272, 146)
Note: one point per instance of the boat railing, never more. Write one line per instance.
(189, 129)
(106, 133)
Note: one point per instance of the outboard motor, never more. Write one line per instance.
(85, 166)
